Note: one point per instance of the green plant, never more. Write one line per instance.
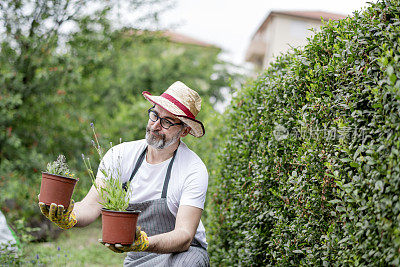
(75, 247)
(11, 254)
(310, 167)
(110, 188)
(59, 167)
(8, 253)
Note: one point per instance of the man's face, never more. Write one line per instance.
(157, 136)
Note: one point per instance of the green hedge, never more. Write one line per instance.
(309, 171)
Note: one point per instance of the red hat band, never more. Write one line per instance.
(179, 105)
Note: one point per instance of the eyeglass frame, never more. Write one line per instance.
(161, 119)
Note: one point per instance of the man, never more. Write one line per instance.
(168, 183)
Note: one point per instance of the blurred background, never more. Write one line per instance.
(231, 24)
(65, 64)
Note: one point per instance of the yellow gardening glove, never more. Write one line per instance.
(63, 219)
(141, 243)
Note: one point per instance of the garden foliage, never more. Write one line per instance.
(310, 169)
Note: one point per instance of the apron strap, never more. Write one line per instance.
(138, 163)
(167, 176)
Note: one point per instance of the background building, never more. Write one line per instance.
(281, 30)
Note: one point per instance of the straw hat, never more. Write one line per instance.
(183, 102)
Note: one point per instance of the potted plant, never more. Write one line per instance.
(118, 223)
(58, 183)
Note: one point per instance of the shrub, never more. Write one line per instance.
(309, 172)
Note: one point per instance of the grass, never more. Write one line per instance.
(74, 247)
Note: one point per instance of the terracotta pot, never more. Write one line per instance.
(56, 189)
(119, 227)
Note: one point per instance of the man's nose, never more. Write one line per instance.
(157, 124)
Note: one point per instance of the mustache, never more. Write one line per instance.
(156, 132)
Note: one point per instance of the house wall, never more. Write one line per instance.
(283, 30)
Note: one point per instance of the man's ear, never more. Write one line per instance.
(185, 131)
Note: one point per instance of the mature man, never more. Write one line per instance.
(168, 183)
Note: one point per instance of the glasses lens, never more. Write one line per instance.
(152, 115)
(166, 123)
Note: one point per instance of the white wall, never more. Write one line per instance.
(285, 31)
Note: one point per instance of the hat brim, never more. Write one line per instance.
(197, 127)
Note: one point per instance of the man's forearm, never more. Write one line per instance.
(88, 209)
(85, 213)
(177, 240)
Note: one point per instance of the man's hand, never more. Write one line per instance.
(57, 214)
(141, 243)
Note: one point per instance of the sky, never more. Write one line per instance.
(229, 24)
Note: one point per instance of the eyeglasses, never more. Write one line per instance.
(165, 123)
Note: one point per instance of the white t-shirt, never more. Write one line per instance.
(187, 185)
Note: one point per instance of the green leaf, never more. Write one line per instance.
(334, 201)
(354, 164)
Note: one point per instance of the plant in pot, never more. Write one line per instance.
(58, 183)
(118, 222)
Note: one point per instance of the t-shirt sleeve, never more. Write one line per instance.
(195, 187)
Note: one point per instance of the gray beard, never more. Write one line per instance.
(159, 141)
